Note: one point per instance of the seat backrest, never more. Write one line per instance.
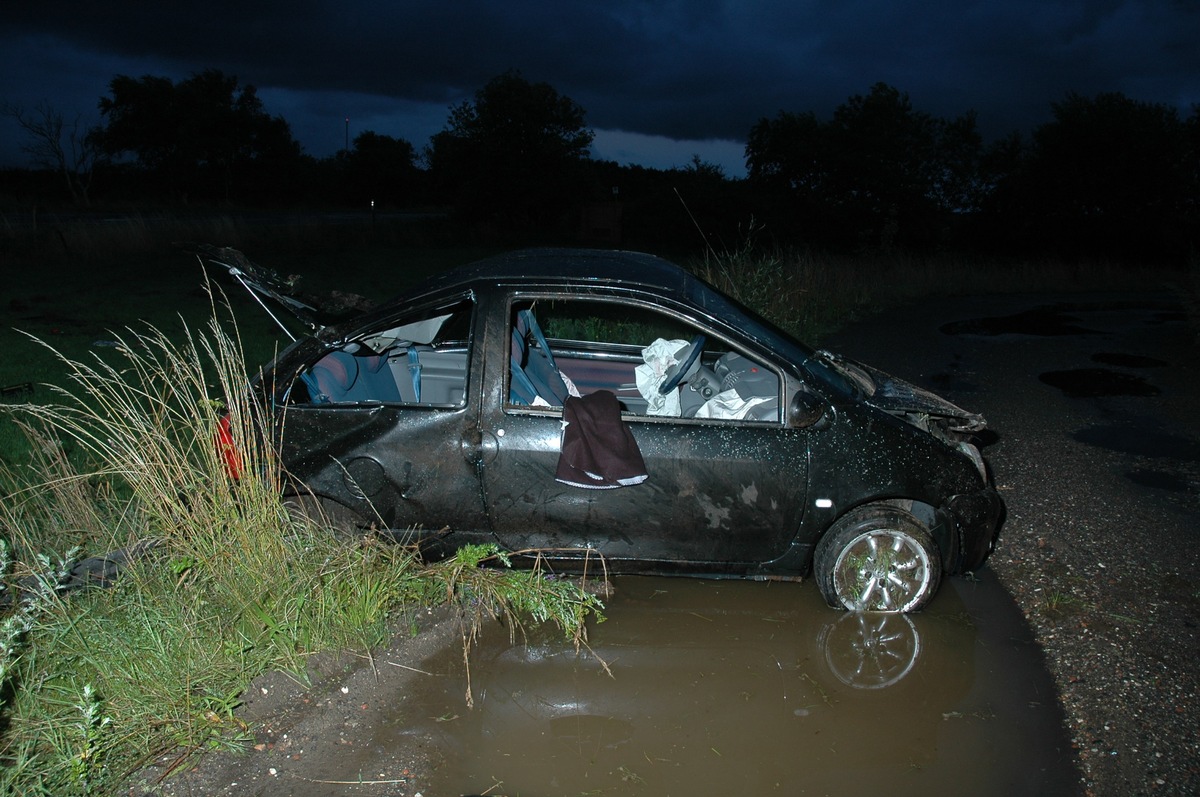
(335, 374)
(531, 357)
(520, 388)
(376, 380)
(341, 377)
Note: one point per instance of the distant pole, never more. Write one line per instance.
(347, 133)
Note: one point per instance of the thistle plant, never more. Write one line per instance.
(90, 727)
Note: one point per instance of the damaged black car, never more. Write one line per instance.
(605, 409)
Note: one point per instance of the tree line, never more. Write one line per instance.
(1105, 176)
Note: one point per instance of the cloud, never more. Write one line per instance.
(702, 70)
(660, 152)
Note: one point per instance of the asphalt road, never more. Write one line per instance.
(1095, 442)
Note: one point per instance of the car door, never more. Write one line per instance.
(378, 425)
(721, 493)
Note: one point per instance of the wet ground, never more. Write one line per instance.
(753, 688)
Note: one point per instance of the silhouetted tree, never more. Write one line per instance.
(959, 185)
(879, 172)
(999, 221)
(72, 152)
(1192, 178)
(787, 165)
(382, 169)
(1107, 176)
(712, 209)
(199, 135)
(513, 155)
(787, 153)
(882, 163)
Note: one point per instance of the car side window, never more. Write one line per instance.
(656, 363)
(417, 359)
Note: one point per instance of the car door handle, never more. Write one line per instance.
(479, 446)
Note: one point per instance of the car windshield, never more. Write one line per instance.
(821, 366)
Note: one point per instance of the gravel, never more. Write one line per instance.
(1103, 496)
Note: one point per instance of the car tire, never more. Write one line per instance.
(877, 559)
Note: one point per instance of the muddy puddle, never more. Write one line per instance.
(730, 687)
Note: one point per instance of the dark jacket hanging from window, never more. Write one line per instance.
(598, 450)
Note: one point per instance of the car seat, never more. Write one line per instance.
(757, 386)
(341, 378)
(532, 368)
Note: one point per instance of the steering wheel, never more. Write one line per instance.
(682, 369)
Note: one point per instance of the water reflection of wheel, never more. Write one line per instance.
(871, 650)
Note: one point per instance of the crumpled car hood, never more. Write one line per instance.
(315, 311)
(904, 398)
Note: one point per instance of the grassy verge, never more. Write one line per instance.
(93, 682)
(810, 294)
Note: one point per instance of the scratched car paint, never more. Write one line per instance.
(438, 418)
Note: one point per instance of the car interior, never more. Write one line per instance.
(655, 365)
(707, 379)
(421, 361)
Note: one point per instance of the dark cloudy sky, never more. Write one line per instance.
(660, 81)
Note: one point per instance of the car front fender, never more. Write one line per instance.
(967, 528)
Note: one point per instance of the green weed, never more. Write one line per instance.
(1061, 603)
(482, 593)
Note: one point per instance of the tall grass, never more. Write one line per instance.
(229, 584)
(811, 294)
